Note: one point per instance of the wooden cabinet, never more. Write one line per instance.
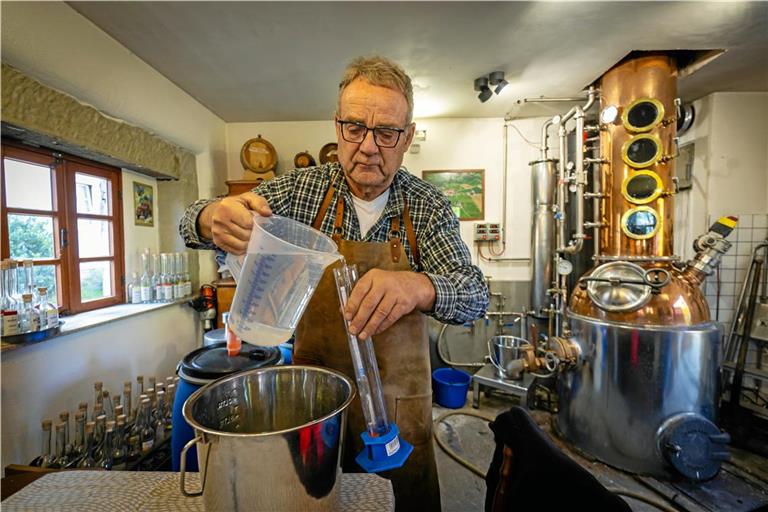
(236, 187)
(225, 292)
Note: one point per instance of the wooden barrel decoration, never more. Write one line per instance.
(328, 153)
(303, 159)
(258, 156)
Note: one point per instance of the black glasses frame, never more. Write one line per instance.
(375, 133)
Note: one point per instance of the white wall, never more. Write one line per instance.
(730, 168)
(450, 144)
(40, 381)
(54, 44)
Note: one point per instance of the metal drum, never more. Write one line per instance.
(640, 394)
(270, 439)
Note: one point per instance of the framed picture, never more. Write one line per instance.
(464, 188)
(685, 166)
(143, 195)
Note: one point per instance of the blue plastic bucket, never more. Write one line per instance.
(450, 387)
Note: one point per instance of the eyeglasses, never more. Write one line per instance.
(383, 136)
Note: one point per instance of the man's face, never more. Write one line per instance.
(369, 168)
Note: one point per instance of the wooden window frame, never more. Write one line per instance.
(64, 168)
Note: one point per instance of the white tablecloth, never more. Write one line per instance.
(149, 491)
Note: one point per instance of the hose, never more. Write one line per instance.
(447, 361)
(452, 454)
(479, 472)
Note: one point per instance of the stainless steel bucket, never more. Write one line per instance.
(502, 351)
(270, 439)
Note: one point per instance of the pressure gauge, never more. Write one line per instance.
(609, 114)
(564, 267)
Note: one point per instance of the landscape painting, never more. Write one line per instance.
(464, 188)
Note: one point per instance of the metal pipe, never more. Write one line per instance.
(504, 190)
(544, 138)
(548, 100)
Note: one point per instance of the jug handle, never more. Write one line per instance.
(183, 472)
(493, 359)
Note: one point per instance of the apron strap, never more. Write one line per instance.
(410, 233)
(338, 221)
(394, 239)
(318, 222)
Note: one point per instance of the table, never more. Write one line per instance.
(156, 491)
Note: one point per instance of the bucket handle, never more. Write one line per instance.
(183, 470)
(493, 359)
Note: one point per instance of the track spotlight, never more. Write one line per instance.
(497, 78)
(485, 94)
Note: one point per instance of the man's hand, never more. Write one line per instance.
(228, 222)
(380, 298)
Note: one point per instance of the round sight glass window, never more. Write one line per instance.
(641, 151)
(643, 187)
(640, 223)
(643, 114)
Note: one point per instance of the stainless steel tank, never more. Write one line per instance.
(542, 234)
(632, 387)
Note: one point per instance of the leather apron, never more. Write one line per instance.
(402, 352)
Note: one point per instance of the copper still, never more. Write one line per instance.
(636, 354)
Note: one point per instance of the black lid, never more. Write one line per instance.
(212, 362)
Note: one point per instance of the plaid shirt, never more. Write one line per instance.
(461, 293)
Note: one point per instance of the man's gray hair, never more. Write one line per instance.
(382, 72)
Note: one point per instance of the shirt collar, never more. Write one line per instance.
(395, 203)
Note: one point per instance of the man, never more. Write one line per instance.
(404, 237)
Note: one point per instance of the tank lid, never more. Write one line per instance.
(618, 286)
(693, 445)
(212, 362)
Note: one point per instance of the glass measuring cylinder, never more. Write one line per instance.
(364, 361)
(276, 278)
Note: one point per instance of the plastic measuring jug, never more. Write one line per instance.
(276, 277)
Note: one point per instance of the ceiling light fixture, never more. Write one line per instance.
(497, 78)
(481, 84)
(494, 79)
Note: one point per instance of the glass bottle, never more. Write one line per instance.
(99, 433)
(83, 406)
(127, 385)
(98, 410)
(171, 400)
(45, 458)
(139, 386)
(106, 460)
(10, 307)
(116, 402)
(119, 450)
(153, 382)
(175, 262)
(29, 280)
(16, 287)
(145, 282)
(29, 320)
(146, 432)
(64, 418)
(157, 289)
(134, 291)
(61, 459)
(47, 309)
(166, 278)
(134, 449)
(159, 417)
(109, 410)
(98, 388)
(78, 447)
(185, 274)
(88, 460)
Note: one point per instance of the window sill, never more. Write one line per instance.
(89, 319)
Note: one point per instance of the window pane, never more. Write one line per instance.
(95, 280)
(45, 275)
(30, 236)
(28, 185)
(93, 238)
(92, 194)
